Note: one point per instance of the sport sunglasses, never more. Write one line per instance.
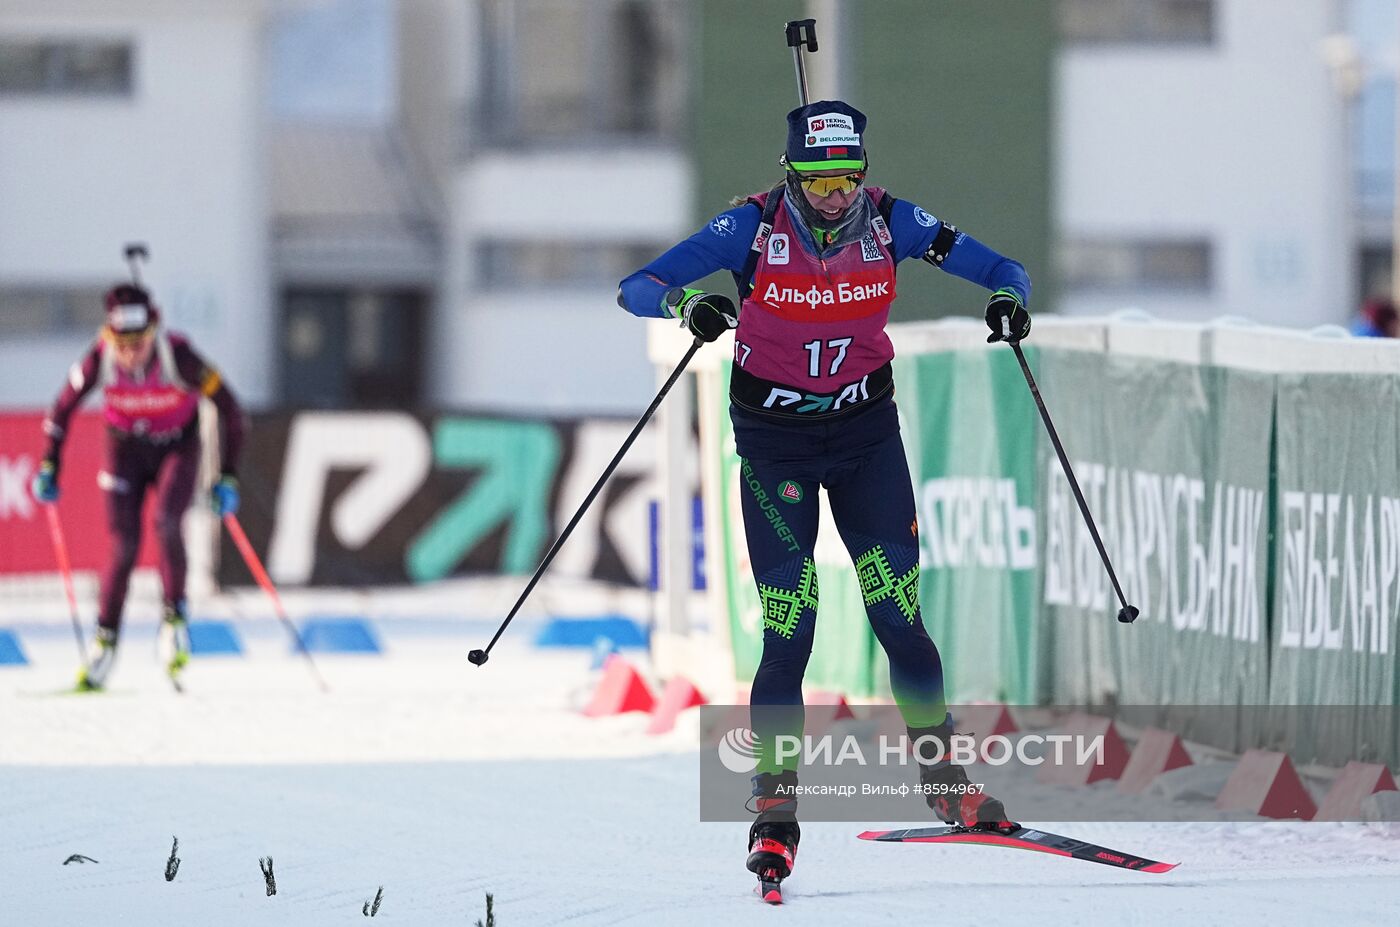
(825, 186)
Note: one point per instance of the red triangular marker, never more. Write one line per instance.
(1156, 752)
(621, 689)
(1264, 782)
(680, 694)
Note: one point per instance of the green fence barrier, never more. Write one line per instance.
(1173, 460)
(1337, 553)
(971, 431)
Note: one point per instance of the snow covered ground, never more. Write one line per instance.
(441, 782)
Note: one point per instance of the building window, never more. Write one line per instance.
(561, 71)
(1374, 271)
(1138, 21)
(49, 311)
(1118, 265)
(507, 265)
(57, 67)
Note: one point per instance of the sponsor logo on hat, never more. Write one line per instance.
(831, 129)
(129, 318)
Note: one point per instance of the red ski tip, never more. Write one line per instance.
(1159, 867)
(872, 834)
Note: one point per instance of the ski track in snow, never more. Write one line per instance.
(442, 782)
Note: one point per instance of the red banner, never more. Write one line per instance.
(25, 545)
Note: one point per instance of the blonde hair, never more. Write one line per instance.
(743, 198)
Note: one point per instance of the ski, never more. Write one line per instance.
(772, 850)
(770, 886)
(1021, 838)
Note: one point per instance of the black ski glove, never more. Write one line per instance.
(707, 315)
(1007, 318)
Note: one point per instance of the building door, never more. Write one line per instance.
(347, 348)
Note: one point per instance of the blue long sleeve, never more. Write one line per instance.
(914, 230)
(722, 244)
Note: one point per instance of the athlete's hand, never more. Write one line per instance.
(45, 486)
(224, 496)
(1007, 317)
(707, 315)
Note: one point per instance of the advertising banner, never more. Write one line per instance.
(1173, 460)
(1337, 549)
(971, 434)
(374, 498)
(25, 545)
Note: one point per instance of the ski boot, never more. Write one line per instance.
(103, 654)
(774, 835)
(948, 791)
(173, 641)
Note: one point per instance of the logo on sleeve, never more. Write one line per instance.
(778, 248)
(924, 218)
(723, 226)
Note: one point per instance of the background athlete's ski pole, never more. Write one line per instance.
(65, 569)
(1127, 613)
(250, 557)
(481, 656)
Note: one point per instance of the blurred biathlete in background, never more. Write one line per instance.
(812, 402)
(1378, 319)
(151, 382)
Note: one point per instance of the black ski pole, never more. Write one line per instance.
(481, 656)
(801, 33)
(135, 252)
(1128, 613)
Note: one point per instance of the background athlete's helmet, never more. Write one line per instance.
(825, 135)
(129, 311)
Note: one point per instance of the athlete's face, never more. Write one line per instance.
(834, 204)
(133, 353)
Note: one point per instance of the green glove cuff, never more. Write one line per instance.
(1009, 294)
(675, 298)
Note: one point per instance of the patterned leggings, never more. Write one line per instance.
(861, 464)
